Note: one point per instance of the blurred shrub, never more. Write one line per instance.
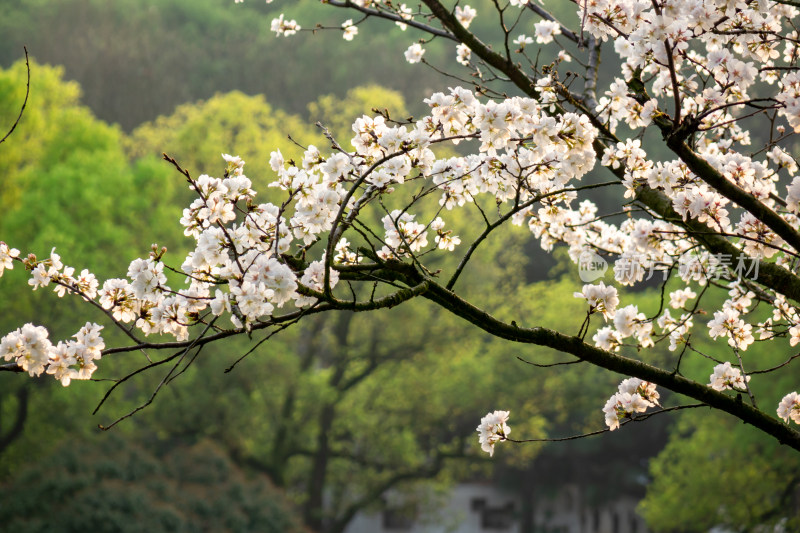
(110, 485)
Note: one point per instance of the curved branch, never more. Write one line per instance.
(25, 102)
(614, 362)
(550, 365)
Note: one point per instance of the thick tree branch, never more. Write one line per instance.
(769, 274)
(492, 58)
(733, 192)
(393, 17)
(614, 362)
(675, 138)
(592, 71)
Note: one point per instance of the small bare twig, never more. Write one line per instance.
(25, 102)
(634, 418)
(548, 365)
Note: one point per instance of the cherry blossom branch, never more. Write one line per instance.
(340, 223)
(611, 361)
(504, 218)
(393, 17)
(125, 378)
(675, 137)
(219, 224)
(770, 274)
(733, 192)
(73, 290)
(774, 276)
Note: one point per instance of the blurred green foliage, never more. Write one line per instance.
(717, 472)
(138, 59)
(338, 114)
(196, 135)
(110, 485)
(67, 182)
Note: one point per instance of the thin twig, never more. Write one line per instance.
(25, 102)
(634, 418)
(541, 365)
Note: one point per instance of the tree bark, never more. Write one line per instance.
(19, 420)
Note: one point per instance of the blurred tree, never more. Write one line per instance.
(247, 126)
(110, 485)
(337, 114)
(131, 55)
(754, 481)
(62, 172)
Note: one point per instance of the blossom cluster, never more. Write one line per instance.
(601, 299)
(726, 377)
(633, 396)
(7, 256)
(493, 429)
(31, 349)
(789, 408)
